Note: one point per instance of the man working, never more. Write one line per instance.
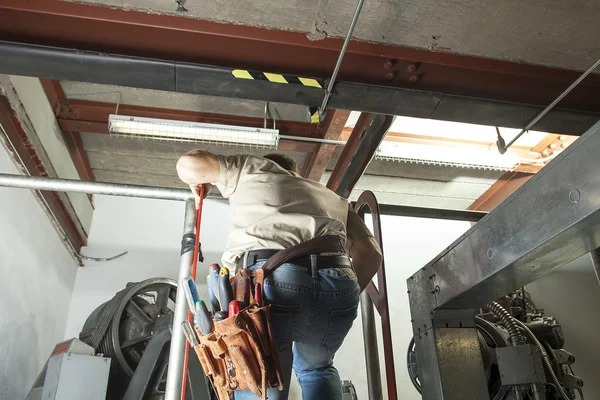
(312, 307)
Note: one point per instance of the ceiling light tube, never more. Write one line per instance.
(195, 132)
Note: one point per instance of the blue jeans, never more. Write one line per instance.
(310, 319)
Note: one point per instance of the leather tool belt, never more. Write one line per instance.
(241, 353)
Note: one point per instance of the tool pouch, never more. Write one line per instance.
(241, 354)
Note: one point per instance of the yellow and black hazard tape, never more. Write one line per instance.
(314, 115)
(276, 78)
(313, 112)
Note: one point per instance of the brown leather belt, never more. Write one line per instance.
(330, 261)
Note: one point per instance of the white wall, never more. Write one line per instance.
(36, 281)
(150, 230)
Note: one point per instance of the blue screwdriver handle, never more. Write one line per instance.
(193, 290)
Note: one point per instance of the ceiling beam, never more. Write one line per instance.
(499, 191)
(72, 138)
(368, 133)
(92, 117)
(334, 126)
(143, 34)
(27, 157)
(210, 80)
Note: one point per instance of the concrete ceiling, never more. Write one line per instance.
(149, 162)
(552, 33)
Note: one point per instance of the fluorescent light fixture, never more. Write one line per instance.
(446, 155)
(196, 132)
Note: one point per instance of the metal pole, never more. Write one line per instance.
(77, 186)
(551, 106)
(177, 350)
(371, 350)
(595, 255)
(341, 56)
(315, 140)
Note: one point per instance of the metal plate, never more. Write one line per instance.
(520, 365)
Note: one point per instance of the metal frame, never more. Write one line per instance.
(549, 221)
(368, 133)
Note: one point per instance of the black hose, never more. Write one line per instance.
(507, 320)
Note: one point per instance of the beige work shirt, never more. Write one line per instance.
(272, 208)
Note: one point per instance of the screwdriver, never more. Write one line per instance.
(234, 307)
(225, 289)
(189, 334)
(203, 317)
(213, 286)
(193, 290)
(188, 294)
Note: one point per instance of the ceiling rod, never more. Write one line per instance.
(503, 147)
(339, 60)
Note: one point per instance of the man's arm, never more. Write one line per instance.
(363, 249)
(198, 168)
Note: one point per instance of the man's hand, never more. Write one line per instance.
(198, 168)
(196, 192)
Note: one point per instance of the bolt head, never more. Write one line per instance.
(411, 68)
(390, 75)
(389, 64)
(414, 78)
